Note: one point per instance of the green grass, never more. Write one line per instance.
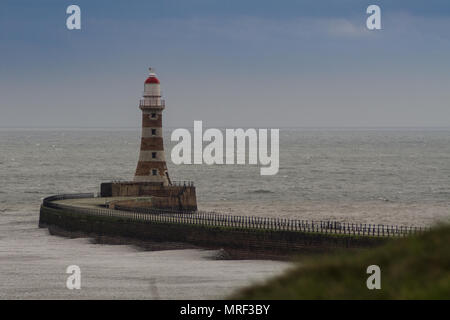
(417, 267)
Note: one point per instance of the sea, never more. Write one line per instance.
(390, 176)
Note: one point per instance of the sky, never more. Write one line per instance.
(229, 63)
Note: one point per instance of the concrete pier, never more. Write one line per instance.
(240, 238)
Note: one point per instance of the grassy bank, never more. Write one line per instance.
(414, 268)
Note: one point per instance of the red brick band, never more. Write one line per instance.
(152, 143)
(144, 168)
(147, 121)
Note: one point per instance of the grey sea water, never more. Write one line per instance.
(362, 175)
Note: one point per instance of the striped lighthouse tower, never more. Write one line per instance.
(152, 166)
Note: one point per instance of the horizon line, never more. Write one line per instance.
(225, 127)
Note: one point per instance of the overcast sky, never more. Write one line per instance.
(229, 63)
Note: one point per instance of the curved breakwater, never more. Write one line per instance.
(240, 236)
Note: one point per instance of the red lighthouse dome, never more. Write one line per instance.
(152, 79)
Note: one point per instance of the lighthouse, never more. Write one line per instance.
(152, 166)
(151, 187)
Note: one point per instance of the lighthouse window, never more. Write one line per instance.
(153, 132)
(154, 172)
(153, 155)
(153, 115)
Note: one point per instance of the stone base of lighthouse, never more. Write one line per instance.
(178, 196)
